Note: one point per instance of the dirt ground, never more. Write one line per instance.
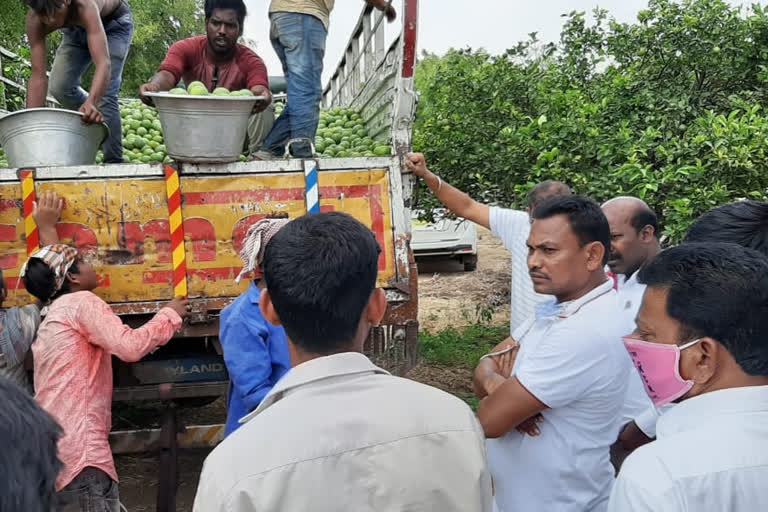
(448, 296)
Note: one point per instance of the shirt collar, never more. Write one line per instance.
(314, 370)
(700, 410)
(254, 293)
(571, 307)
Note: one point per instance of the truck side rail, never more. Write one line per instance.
(8, 82)
(378, 81)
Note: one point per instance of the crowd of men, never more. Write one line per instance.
(616, 346)
(554, 396)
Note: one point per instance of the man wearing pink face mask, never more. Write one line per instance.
(702, 342)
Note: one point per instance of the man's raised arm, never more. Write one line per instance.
(454, 199)
(37, 87)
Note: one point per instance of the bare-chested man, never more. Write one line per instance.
(94, 31)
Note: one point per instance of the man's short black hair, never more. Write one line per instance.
(642, 217)
(29, 463)
(44, 7)
(237, 5)
(545, 190)
(587, 220)
(720, 291)
(744, 223)
(320, 271)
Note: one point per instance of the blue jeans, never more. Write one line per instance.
(72, 60)
(91, 491)
(299, 41)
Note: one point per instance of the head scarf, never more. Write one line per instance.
(58, 257)
(256, 240)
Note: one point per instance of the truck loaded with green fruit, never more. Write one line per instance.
(119, 215)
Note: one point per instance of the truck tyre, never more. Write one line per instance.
(470, 262)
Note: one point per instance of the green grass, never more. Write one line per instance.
(460, 347)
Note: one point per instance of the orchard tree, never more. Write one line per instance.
(670, 108)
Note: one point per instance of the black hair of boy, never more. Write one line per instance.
(320, 271)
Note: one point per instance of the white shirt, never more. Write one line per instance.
(711, 455)
(638, 406)
(338, 433)
(571, 358)
(513, 228)
(631, 293)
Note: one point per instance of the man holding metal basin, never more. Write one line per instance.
(94, 31)
(214, 62)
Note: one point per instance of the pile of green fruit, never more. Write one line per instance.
(3, 160)
(142, 135)
(342, 133)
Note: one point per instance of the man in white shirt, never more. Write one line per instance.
(336, 432)
(743, 223)
(511, 226)
(702, 342)
(634, 242)
(569, 372)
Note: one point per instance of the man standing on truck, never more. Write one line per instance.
(298, 32)
(511, 226)
(98, 31)
(217, 60)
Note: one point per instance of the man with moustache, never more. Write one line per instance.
(569, 369)
(217, 60)
(634, 243)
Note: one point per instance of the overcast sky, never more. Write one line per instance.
(491, 24)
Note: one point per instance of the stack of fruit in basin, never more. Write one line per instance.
(199, 89)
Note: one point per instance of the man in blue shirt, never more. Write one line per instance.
(255, 351)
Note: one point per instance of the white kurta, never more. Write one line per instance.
(571, 358)
(711, 454)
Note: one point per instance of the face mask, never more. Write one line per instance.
(659, 367)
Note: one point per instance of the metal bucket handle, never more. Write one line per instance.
(106, 136)
(299, 139)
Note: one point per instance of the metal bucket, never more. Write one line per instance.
(209, 129)
(50, 137)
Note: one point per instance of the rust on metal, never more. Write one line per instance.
(122, 226)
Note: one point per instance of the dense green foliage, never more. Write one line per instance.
(670, 108)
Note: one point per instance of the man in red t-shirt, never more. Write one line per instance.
(217, 60)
